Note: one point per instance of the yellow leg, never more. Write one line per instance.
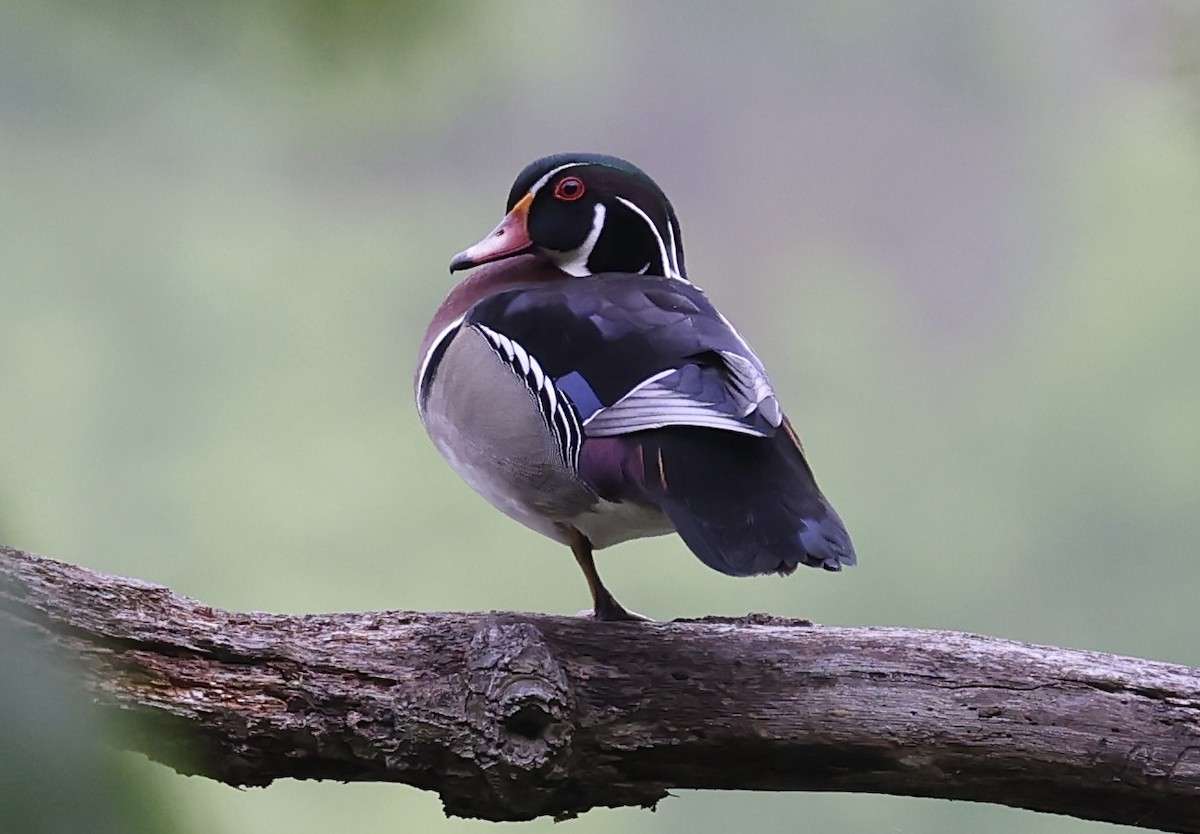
(604, 606)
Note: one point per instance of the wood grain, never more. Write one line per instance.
(511, 716)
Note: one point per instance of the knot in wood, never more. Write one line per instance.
(519, 697)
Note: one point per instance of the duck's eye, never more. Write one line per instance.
(569, 188)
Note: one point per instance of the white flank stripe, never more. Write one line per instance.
(433, 346)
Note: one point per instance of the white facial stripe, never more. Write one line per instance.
(545, 179)
(674, 248)
(669, 269)
(574, 262)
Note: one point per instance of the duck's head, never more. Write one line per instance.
(587, 214)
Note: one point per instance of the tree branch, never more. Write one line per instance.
(511, 716)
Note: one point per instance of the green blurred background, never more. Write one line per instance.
(965, 238)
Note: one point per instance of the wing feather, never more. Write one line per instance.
(631, 353)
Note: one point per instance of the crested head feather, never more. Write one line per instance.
(629, 190)
(537, 169)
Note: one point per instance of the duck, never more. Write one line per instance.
(581, 383)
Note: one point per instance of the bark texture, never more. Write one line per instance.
(510, 716)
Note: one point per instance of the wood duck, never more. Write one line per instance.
(585, 387)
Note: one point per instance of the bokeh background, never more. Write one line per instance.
(964, 237)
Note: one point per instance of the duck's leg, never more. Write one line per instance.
(604, 606)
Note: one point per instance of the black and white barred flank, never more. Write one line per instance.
(556, 409)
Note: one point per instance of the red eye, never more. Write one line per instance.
(569, 188)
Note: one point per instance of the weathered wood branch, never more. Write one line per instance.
(511, 716)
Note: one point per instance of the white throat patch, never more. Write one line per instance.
(574, 262)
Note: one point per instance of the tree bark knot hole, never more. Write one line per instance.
(529, 722)
(518, 696)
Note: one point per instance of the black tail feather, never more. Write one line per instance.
(745, 505)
